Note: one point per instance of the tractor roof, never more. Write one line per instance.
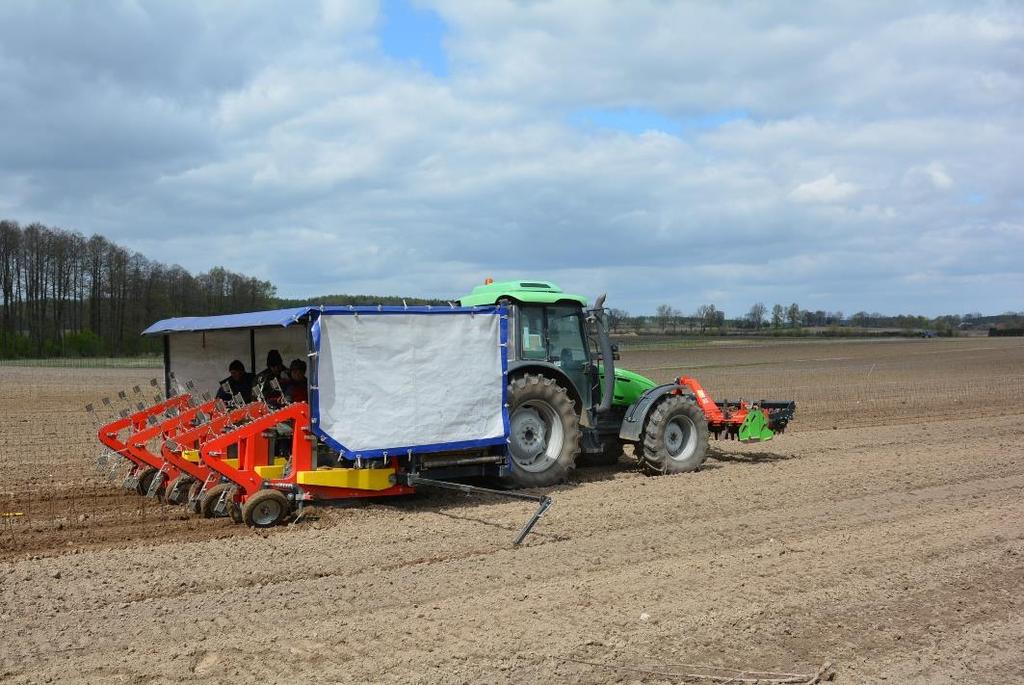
(537, 292)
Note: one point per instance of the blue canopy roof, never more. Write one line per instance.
(273, 317)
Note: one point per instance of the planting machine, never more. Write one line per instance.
(512, 386)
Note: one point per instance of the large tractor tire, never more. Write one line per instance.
(675, 437)
(545, 432)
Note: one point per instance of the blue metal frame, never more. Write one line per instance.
(404, 450)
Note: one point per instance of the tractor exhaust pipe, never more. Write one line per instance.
(607, 356)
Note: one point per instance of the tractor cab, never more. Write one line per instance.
(559, 392)
(550, 331)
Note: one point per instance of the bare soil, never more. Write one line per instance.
(882, 533)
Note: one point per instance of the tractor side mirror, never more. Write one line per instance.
(615, 352)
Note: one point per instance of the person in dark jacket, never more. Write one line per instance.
(275, 371)
(237, 383)
(298, 389)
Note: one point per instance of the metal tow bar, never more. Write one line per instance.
(543, 501)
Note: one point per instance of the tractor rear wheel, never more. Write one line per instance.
(544, 435)
(266, 508)
(675, 437)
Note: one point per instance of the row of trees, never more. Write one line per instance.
(668, 319)
(792, 317)
(64, 294)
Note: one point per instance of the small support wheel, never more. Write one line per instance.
(208, 502)
(192, 503)
(177, 490)
(266, 508)
(144, 481)
(161, 492)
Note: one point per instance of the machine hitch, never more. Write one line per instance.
(543, 501)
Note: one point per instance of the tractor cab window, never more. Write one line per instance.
(553, 334)
(531, 333)
(565, 335)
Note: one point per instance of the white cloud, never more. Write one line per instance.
(825, 189)
(292, 148)
(937, 175)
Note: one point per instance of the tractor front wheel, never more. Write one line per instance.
(675, 438)
(545, 432)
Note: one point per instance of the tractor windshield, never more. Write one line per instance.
(553, 334)
(565, 337)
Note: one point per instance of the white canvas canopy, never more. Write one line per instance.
(419, 379)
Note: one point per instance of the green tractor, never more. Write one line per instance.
(569, 405)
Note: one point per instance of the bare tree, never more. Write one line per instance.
(615, 318)
(778, 316)
(794, 315)
(663, 315)
(708, 315)
(756, 315)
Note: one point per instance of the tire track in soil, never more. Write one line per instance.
(111, 518)
(237, 601)
(117, 517)
(802, 517)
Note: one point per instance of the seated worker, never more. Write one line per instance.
(275, 371)
(239, 382)
(298, 389)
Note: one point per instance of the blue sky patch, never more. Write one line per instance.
(638, 120)
(410, 33)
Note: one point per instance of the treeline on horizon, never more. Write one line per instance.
(62, 294)
(795, 320)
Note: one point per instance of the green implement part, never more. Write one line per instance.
(755, 427)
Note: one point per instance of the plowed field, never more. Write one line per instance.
(883, 533)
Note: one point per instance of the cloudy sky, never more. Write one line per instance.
(843, 155)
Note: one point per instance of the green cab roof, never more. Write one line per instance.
(536, 292)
